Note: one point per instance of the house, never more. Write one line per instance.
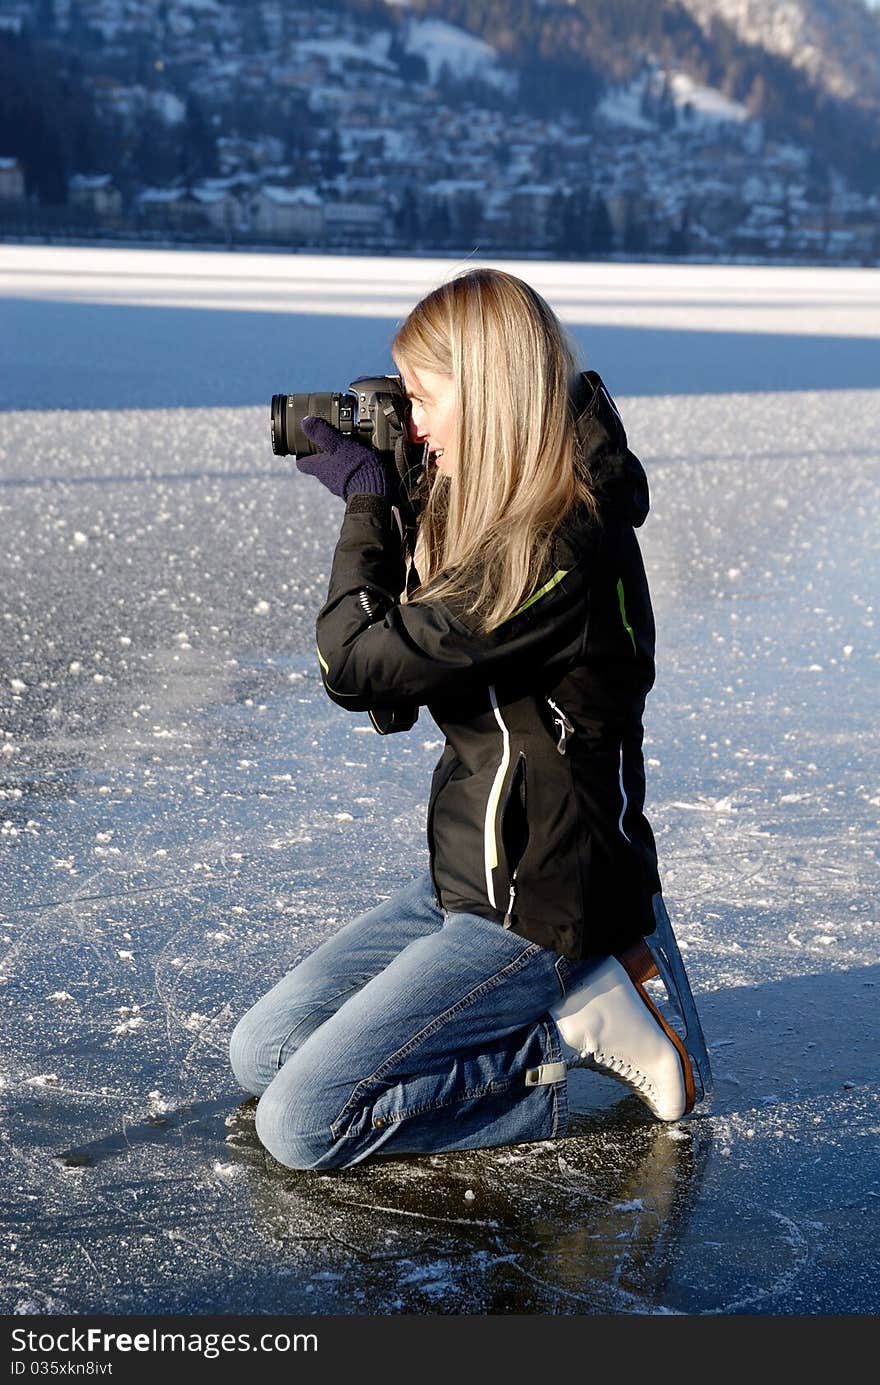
(222, 209)
(531, 205)
(11, 180)
(346, 222)
(171, 209)
(288, 213)
(95, 193)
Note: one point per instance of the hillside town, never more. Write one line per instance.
(267, 124)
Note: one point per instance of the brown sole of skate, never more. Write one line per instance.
(640, 967)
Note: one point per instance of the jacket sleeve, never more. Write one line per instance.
(411, 654)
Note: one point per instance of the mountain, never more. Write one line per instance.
(704, 127)
(809, 69)
(835, 42)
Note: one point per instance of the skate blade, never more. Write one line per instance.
(664, 949)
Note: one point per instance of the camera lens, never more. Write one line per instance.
(279, 425)
(289, 410)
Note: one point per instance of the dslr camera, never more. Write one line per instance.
(374, 411)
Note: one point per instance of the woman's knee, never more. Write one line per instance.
(248, 1066)
(294, 1122)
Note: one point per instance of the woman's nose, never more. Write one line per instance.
(416, 431)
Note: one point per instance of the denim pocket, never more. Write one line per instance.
(566, 974)
(511, 942)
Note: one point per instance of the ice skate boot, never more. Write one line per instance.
(609, 1023)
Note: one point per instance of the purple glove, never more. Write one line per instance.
(344, 466)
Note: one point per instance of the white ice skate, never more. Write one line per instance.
(611, 1024)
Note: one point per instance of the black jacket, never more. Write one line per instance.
(535, 817)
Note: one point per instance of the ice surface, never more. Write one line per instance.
(183, 814)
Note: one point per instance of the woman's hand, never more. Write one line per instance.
(344, 466)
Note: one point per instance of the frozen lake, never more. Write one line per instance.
(177, 796)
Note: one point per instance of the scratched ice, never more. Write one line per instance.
(183, 814)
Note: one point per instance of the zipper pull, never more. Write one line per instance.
(562, 723)
(508, 917)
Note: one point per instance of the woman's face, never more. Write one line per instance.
(434, 415)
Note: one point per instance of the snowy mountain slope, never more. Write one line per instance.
(442, 44)
(836, 42)
(625, 105)
(809, 69)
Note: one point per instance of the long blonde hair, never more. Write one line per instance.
(485, 532)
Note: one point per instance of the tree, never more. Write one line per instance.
(33, 127)
(408, 221)
(635, 232)
(199, 151)
(679, 239)
(574, 229)
(601, 229)
(439, 227)
(467, 219)
(157, 153)
(411, 65)
(331, 154)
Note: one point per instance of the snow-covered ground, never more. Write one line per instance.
(184, 814)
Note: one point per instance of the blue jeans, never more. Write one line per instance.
(410, 1031)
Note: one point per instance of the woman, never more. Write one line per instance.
(449, 1016)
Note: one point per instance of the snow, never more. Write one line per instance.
(462, 53)
(622, 105)
(170, 107)
(707, 103)
(187, 828)
(291, 197)
(84, 182)
(339, 52)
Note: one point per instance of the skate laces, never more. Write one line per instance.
(619, 1067)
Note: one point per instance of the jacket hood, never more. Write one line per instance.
(617, 475)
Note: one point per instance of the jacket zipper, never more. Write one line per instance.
(521, 772)
(490, 839)
(561, 722)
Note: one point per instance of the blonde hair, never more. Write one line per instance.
(485, 532)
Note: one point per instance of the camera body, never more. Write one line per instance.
(374, 410)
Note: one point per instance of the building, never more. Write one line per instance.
(95, 193)
(347, 223)
(288, 213)
(11, 180)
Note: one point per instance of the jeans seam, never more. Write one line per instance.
(487, 984)
(558, 1089)
(349, 990)
(500, 1085)
(559, 966)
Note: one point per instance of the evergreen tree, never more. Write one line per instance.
(331, 154)
(574, 226)
(635, 233)
(199, 144)
(601, 229)
(666, 114)
(29, 122)
(467, 219)
(679, 239)
(157, 153)
(410, 65)
(408, 221)
(439, 226)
